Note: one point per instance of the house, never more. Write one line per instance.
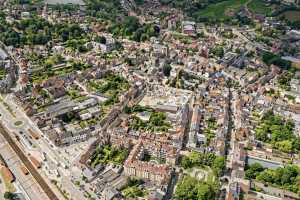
(189, 27)
(110, 193)
(155, 172)
(195, 127)
(25, 15)
(156, 195)
(295, 85)
(159, 51)
(295, 61)
(234, 191)
(90, 174)
(73, 133)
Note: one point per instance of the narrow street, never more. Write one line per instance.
(229, 142)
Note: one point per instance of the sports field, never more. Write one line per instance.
(260, 7)
(222, 10)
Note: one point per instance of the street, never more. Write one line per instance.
(23, 183)
(37, 147)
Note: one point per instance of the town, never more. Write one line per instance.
(150, 99)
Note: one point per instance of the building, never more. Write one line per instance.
(295, 61)
(234, 191)
(137, 165)
(195, 137)
(189, 27)
(110, 193)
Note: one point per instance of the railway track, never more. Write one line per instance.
(39, 179)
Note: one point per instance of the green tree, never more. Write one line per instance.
(266, 176)
(205, 192)
(186, 189)
(190, 188)
(101, 39)
(186, 162)
(9, 195)
(219, 165)
(218, 51)
(285, 146)
(167, 69)
(253, 170)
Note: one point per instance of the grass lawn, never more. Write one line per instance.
(222, 10)
(291, 15)
(203, 173)
(260, 7)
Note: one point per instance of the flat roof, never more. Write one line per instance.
(290, 58)
(55, 2)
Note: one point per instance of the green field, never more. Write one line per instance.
(222, 10)
(292, 15)
(260, 7)
(2, 73)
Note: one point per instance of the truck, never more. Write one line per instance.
(24, 169)
(35, 162)
(34, 134)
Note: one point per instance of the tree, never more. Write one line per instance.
(205, 192)
(285, 146)
(218, 165)
(270, 58)
(139, 2)
(189, 188)
(186, 189)
(167, 69)
(278, 131)
(101, 39)
(186, 162)
(218, 51)
(9, 195)
(253, 170)
(287, 177)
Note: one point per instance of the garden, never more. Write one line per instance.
(156, 123)
(108, 154)
(134, 189)
(110, 86)
(189, 188)
(196, 159)
(279, 132)
(209, 131)
(283, 177)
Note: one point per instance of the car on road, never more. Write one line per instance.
(24, 169)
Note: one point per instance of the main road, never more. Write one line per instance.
(39, 179)
(39, 146)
